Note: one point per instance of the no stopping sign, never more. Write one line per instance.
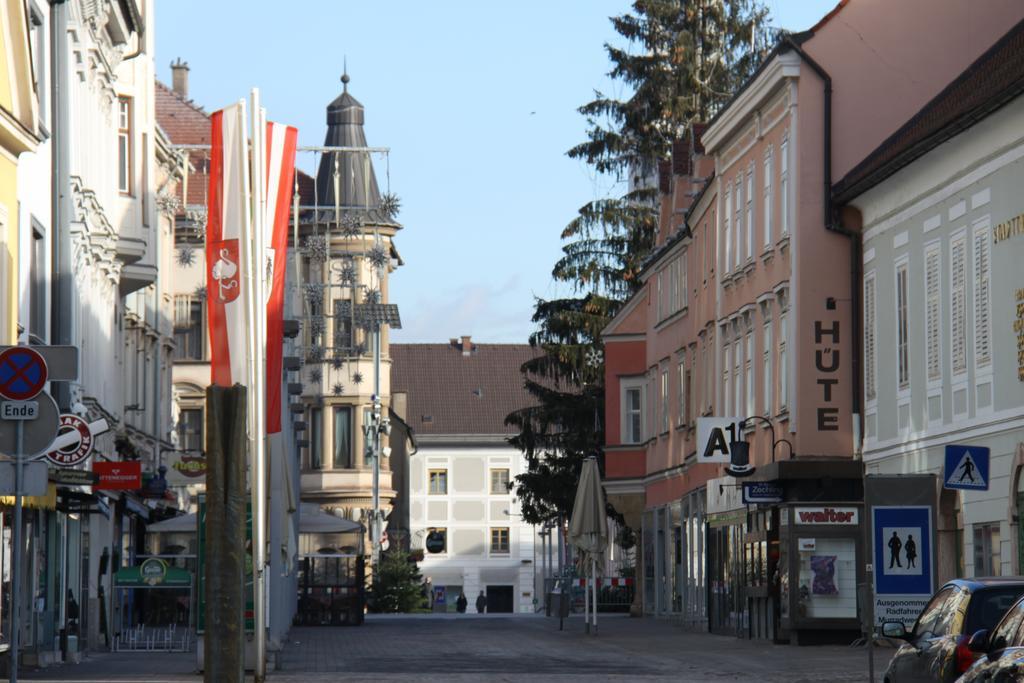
(76, 451)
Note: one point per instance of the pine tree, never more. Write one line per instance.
(683, 60)
(398, 585)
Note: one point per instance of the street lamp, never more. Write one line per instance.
(739, 450)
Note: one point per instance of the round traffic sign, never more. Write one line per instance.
(76, 451)
(22, 373)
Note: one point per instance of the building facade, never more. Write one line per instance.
(760, 323)
(940, 213)
(463, 516)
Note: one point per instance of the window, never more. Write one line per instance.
(932, 311)
(124, 144)
(737, 377)
(783, 369)
(343, 459)
(316, 438)
(902, 352)
(499, 540)
(661, 307)
(190, 429)
(673, 292)
(1004, 632)
(343, 325)
(766, 369)
(768, 197)
(727, 236)
(869, 337)
(958, 304)
(633, 412)
(499, 482)
(683, 300)
(987, 556)
(39, 51)
(750, 211)
(37, 277)
(438, 480)
(738, 226)
(683, 379)
(726, 371)
(784, 186)
(932, 612)
(749, 378)
(982, 323)
(664, 401)
(188, 327)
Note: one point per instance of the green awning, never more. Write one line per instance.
(153, 573)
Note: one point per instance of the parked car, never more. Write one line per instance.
(937, 647)
(1001, 650)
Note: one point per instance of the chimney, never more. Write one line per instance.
(179, 78)
(467, 345)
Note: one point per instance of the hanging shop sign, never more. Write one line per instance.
(118, 476)
(185, 468)
(74, 442)
(826, 515)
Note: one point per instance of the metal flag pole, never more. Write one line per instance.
(375, 522)
(19, 463)
(258, 324)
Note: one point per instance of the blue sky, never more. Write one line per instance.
(477, 101)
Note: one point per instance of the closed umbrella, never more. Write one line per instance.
(588, 529)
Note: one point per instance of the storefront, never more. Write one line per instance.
(819, 570)
(674, 543)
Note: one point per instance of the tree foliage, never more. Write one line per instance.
(681, 61)
(398, 584)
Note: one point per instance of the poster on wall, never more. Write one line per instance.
(902, 562)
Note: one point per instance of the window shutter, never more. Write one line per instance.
(932, 313)
(982, 323)
(869, 338)
(958, 305)
(182, 309)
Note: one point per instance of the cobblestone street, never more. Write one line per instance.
(475, 648)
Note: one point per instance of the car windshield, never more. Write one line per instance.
(988, 605)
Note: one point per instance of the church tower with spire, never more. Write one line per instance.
(346, 254)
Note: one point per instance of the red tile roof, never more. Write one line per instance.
(186, 123)
(450, 393)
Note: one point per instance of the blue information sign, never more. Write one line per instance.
(762, 492)
(903, 550)
(966, 468)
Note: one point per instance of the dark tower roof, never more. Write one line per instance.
(345, 116)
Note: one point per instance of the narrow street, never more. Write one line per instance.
(484, 648)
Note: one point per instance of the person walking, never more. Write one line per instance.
(894, 550)
(460, 604)
(481, 603)
(910, 548)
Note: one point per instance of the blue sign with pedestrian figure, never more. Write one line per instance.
(903, 550)
(966, 468)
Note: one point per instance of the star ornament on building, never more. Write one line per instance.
(595, 357)
(338, 389)
(316, 248)
(185, 256)
(351, 225)
(377, 256)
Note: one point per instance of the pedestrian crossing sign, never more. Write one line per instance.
(966, 468)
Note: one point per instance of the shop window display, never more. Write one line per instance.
(827, 582)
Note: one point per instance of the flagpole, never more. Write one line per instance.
(258, 326)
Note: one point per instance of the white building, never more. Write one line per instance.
(461, 512)
(94, 256)
(943, 305)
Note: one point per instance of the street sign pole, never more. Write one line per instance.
(16, 573)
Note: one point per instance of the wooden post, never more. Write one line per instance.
(226, 459)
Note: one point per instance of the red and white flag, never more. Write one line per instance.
(227, 225)
(280, 155)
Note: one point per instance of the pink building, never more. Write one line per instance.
(750, 310)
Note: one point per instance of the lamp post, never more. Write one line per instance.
(739, 450)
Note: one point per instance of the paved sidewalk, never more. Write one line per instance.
(505, 648)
